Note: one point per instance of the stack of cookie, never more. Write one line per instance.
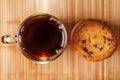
(94, 40)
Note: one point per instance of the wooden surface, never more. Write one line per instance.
(69, 66)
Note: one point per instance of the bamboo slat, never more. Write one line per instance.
(69, 66)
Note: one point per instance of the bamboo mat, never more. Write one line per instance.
(69, 66)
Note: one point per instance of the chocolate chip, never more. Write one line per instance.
(83, 41)
(104, 41)
(104, 37)
(101, 49)
(78, 40)
(85, 49)
(110, 39)
(90, 19)
(91, 52)
(95, 45)
(109, 44)
(84, 56)
(112, 36)
(90, 55)
(103, 28)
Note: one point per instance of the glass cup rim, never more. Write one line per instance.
(20, 43)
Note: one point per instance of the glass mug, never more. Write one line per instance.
(41, 37)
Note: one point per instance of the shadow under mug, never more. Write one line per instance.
(41, 37)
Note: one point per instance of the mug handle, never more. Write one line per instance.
(9, 39)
